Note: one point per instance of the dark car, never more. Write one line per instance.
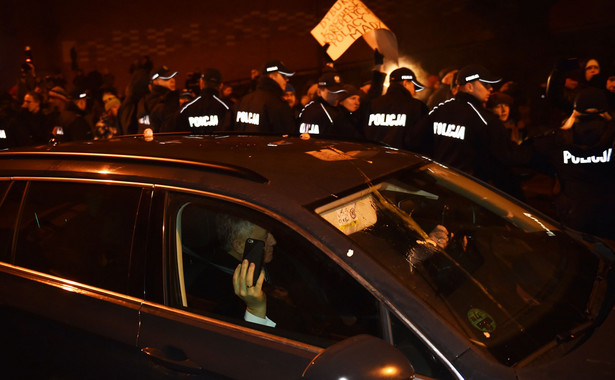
(116, 261)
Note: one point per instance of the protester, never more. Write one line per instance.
(350, 114)
(502, 104)
(32, 125)
(290, 97)
(107, 125)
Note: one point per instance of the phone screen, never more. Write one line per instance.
(254, 253)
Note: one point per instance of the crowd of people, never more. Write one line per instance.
(464, 117)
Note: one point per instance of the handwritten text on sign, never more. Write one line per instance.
(346, 21)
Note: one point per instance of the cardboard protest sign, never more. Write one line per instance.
(346, 21)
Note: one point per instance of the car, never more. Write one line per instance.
(117, 260)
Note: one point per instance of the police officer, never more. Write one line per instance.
(392, 114)
(68, 123)
(264, 110)
(318, 116)
(582, 154)
(158, 107)
(206, 113)
(462, 133)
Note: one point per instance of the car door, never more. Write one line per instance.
(70, 291)
(197, 328)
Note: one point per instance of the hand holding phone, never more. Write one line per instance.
(254, 252)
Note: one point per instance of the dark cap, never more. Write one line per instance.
(591, 100)
(331, 81)
(499, 98)
(350, 90)
(404, 73)
(164, 73)
(212, 76)
(476, 72)
(58, 93)
(289, 88)
(277, 66)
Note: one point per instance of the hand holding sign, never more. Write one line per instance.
(346, 21)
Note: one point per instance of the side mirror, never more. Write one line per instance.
(360, 357)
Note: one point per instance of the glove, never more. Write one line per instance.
(378, 58)
(326, 55)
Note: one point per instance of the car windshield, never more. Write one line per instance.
(504, 277)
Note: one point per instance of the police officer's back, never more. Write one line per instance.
(319, 116)
(67, 123)
(264, 110)
(392, 114)
(582, 154)
(206, 113)
(463, 134)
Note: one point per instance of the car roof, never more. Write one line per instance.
(304, 169)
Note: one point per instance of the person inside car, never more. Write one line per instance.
(236, 233)
(228, 285)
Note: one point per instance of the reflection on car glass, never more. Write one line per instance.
(500, 274)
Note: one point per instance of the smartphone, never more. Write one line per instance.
(254, 252)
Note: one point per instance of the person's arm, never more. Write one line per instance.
(249, 317)
(378, 76)
(253, 296)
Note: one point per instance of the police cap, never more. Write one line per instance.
(476, 72)
(591, 100)
(331, 81)
(404, 73)
(164, 73)
(277, 66)
(212, 76)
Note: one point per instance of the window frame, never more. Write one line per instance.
(385, 311)
(135, 272)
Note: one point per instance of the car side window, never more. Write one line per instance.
(308, 296)
(78, 231)
(9, 206)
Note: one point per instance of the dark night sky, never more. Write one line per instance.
(519, 38)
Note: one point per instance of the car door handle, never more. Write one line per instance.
(173, 358)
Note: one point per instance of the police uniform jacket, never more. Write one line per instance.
(157, 108)
(463, 134)
(582, 157)
(264, 110)
(318, 118)
(205, 114)
(69, 125)
(348, 125)
(392, 114)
